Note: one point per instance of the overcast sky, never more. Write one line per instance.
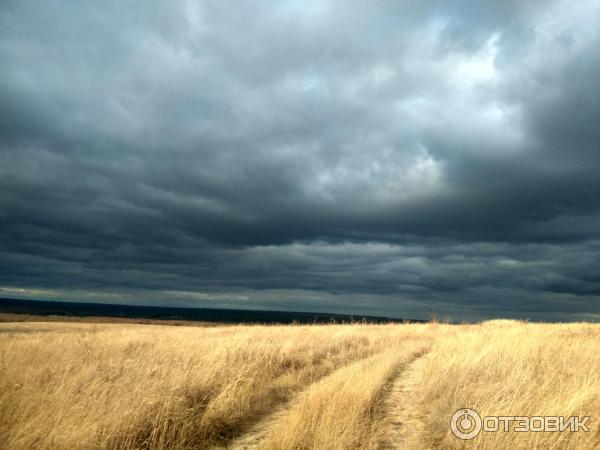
(377, 157)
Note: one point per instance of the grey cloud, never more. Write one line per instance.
(280, 147)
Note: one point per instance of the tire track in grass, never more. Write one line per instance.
(351, 399)
(256, 433)
(401, 420)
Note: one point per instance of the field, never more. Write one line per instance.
(354, 386)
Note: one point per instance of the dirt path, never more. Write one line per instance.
(401, 420)
(256, 434)
(390, 395)
(251, 438)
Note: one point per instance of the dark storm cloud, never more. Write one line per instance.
(387, 156)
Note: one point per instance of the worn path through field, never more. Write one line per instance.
(401, 420)
(389, 409)
(251, 438)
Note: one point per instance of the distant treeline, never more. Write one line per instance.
(78, 309)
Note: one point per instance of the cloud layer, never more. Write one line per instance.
(385, 157)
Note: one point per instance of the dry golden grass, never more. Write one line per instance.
(507, 368)
(117, 386)
(342, 410)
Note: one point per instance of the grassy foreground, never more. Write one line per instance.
(121, 386)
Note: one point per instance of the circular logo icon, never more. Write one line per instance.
(465, 423)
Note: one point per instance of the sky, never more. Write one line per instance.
(372, 157)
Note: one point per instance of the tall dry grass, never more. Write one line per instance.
(127, 386)
(117, 386)
(343, 410)
(508, 368)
